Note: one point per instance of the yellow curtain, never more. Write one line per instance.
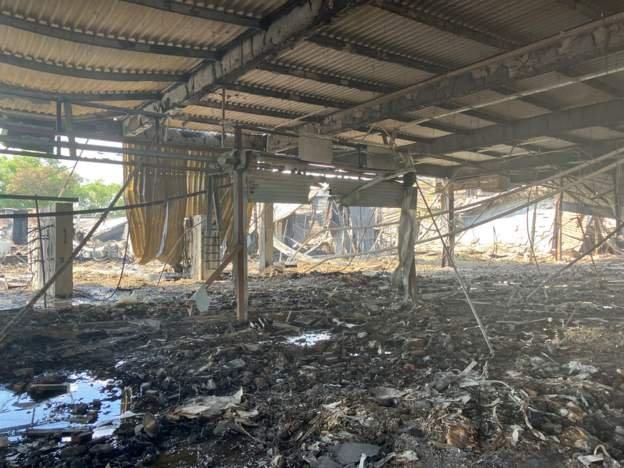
(157, 232)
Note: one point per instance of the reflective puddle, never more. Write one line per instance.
(309, 339)
(86, 403)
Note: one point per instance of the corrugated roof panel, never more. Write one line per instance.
(113, 18)
(49, 82)
(436, 162)
(236, 97)
(525, 21)
(596, 133)
(509, 110)
(374, 26)
(471, 156)
(200, 127)
(422, 132)
(580, 94)
(310, 56)
(251, 8)
(464, 121)
(548, 143)
(235, 116)
(301, 85)
(57, 51)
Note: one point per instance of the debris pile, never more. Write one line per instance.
(336, 371)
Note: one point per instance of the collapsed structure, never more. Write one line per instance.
(221, 105)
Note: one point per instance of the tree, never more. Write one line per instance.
(32, 176)
(96, 194)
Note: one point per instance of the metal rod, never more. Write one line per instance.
(14, 196)
(41, 252)
(54, 214)
(24, 310)
(459, 277)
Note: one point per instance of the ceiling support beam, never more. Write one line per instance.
(92, 39)
(256, 110)
(55, 69)
(552, 124)
(591, 40)
(200, 12)
(287, 95)
(325, 77)
(376, 53)
(245, 54)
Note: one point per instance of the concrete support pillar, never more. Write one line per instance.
(265, 240)
(205, 249)
(57, 245)
(240, 225)
(448, 204)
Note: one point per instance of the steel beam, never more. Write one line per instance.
(591, 40)
(376, 53)
(93, 39)
(325, 77)
(255, 110)
(91, 74)
(245, 54)
(286, 94)
(552, 124)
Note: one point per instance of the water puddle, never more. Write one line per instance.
(309, 339)
(88, 402)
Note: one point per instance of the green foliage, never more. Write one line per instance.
(32, 176)
(97, 194)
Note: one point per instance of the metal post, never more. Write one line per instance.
(266, 236)
(41, 264)
(448, 204)
(239, 203)
(557, 228)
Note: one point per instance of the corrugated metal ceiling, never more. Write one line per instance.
(375, 26)
(527, 20)
(114, 18)
(54, 83)
(521, 22)
(74, 55)
(312, 57)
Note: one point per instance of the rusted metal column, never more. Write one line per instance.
(239, 203)
(448, 204)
